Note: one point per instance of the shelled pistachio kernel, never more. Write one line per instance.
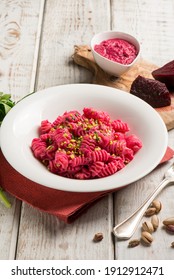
(150, 211)
(133, 243)
(155, 222)
(157, 204)
(98, 237)
(147, 226)
(146, 237)
(170, 228)
(169, 224)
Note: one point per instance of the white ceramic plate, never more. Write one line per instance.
(21, 124)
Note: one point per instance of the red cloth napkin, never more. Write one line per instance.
(67, 206)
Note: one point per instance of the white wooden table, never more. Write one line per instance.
(37, 39)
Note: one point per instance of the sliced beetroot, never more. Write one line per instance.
(153, 92)
(165, 74)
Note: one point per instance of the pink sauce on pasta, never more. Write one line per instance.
(85, 146)
(117, 50)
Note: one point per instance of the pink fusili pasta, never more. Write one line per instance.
(85, 146)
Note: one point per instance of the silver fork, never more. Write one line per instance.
(126, 229)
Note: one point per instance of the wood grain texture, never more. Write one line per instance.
(151, 22)
(19, 21)
(43, 236)
(19, 24)
(9, 222)
(67, 23)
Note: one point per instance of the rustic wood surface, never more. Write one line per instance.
(37, 42)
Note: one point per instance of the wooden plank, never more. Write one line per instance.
(45, 237)
(9, 219)
(152, 24)
(68, 23)
(42, 236)
(19, 21)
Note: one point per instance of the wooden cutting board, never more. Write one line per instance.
(83, 57)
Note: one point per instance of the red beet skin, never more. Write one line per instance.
(151, 91)
(165, 74)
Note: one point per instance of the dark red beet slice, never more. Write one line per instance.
(165, 74)
(153, 92)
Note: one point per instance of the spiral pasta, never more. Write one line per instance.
(85, 146)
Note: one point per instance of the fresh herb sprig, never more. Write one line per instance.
(4, 199)
(5, 105)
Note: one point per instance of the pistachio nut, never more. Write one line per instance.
(146, 237)
(150, 211)
(147, 226)
(169, 221)
(133, 243)
(98, 237)
(157, 204)
(155, 221)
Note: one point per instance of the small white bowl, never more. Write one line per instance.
(109, 66)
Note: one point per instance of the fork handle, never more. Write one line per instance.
(126, 229)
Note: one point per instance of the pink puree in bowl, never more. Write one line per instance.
(117, 50)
